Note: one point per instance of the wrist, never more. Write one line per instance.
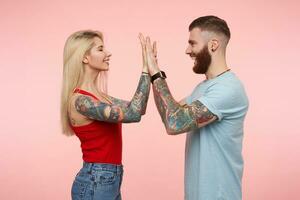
(145, 69)
(159, 74)
(153, 68)
(153, 71)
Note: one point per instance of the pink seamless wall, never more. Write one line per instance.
(38, 162)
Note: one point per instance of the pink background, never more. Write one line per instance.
(38, 162)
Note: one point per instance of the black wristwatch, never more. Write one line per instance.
(160, 74)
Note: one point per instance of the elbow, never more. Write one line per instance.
(132, 117)
(173, 123)
(138, 118)
(135, 118)
(171, 130)
(169, 126)
(173, 127)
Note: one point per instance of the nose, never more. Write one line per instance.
(188, 50)
(108, 54)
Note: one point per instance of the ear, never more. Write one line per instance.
(214, 45)
(85, 60)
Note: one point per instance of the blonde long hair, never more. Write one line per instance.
(76, 47)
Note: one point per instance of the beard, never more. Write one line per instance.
(202, 61)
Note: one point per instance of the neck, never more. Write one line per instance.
(89, 79)
(216, 67)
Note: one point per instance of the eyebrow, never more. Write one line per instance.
(101, 46)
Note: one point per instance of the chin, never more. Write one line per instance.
(104, 68)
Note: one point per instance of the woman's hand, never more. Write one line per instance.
(143, 45)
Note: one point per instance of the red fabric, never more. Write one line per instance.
(101, 142)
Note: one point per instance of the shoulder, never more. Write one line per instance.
(227, 85)
(81, 100)
(77, 96)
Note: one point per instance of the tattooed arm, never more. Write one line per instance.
(179, 118)
(142, 104)
(119, 110)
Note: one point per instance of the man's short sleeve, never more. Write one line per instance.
(223, 100)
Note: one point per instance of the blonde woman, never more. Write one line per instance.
(88, 112)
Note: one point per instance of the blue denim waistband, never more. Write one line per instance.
(103, 167)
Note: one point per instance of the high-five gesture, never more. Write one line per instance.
(149, 54)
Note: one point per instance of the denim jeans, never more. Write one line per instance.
(96, 181)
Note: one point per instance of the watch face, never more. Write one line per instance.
(163, 75)
(160, 74)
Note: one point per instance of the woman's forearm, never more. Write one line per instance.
(139, 101)
(119, 110)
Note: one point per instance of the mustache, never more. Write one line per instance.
(193, 54)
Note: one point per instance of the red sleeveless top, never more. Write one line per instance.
(101, 142)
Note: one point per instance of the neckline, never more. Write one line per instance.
(218, 76)
(78, 90)
(227, 70)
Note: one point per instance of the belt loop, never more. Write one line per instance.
(90, 167)
(119, 169)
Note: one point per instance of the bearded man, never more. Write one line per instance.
(212, 115)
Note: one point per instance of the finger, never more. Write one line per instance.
(143, 45)
(142, 40)
(154, 49)
(148, 47)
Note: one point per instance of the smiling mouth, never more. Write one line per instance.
(194, 59)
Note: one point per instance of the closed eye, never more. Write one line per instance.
(100, 48)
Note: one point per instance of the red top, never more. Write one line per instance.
(101, 142)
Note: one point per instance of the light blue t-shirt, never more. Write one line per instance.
(213, 157)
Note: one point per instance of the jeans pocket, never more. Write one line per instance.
(78, 190)
(106, 178)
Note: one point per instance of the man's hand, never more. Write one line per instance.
(151, 53)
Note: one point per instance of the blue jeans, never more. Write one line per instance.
(98, 181)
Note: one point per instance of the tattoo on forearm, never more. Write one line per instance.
(177, 118)
(119, 110)
(138, 104)
(141, 96)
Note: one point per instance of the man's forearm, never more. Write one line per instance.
(169, 110)
(179, 118)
